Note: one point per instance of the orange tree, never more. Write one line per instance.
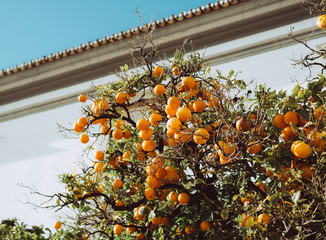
(178, 152)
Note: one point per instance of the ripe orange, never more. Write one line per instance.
(291, 117)
(175, 71)
(201, 136)
(119, 203)
(150, 193)
(170, 111)
(144, 135)
(189, 230)
(247, 198)
(117, 183)
(77, 128)
(121, 98)
(306, 171)
(243, 125)
(155, 119)
(189, 82)
(118, 229)
(157, 220)
(117, 134)
(254, 148)
(173, 102)
(244, 219)
(183, 114)
(119, 123)
(160, 173)
(182, 136)
(84, 138)
(140, 236)
(99, 155)
(205, 226)
(173, 196)
(165, 221)
(82, 98)
(142, 125)
(99, 167)
(287, 133)
(279, 121)
(153, 182)
(148, 145)
(264, 218)
(126, 134)
(131, 230)
(158, 71)
(319, 114)
(199, 105)
(301, 149)
(173, 125)
(183, 198)
(105, 130)
(57, 225)
(82, 122)
(159, 89)
(321, 21)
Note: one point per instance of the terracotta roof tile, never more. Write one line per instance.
(120, 36)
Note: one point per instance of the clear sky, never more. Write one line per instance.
(30, 29)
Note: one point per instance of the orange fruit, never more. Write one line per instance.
(243, 125)
(158, 71)
(264, 218)
(119, 203)
(142, 125)
(82, 98)
(189, 82)
(99, 155)
(279, 121)
(189, 230)
(165, 221)
(150, 193)
(183, 198)
(199, 105)
(126, 134)
(182, 136)
(121, 98)
(301, 149)
(205, 226)
(170, 111)
(261, 185)
(99, 167)
(153, 182)
(291, 117)
(77, 128)
(254, 147)
(244, 219)
(117, 134)
(144, 135)
(118, 229)
(201, 136)
(159, 89)
(173, 125)
(117, 183)
(247, 198)
(287, 133)
(160, 173)
(119, 123)
(173, 196)
(155, 119)
(306, 171)
(105, 130)
(148, 145)
(131, 230)
(319, 114)
(82, 122)
(175, 71)
(213, 102)
(173, 102)
(57, 225)
(321, 21)
(183, 114)
(157, 220)
(84, 138)
(140, 236)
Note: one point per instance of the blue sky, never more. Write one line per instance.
(35, 28)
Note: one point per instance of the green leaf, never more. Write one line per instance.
(58, 201)
(224, 214)
(275, 198)
(235, 197)
(295, 90)
(250, 222)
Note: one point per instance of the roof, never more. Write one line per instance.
(174, 19)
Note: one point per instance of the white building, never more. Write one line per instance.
(251, 36)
